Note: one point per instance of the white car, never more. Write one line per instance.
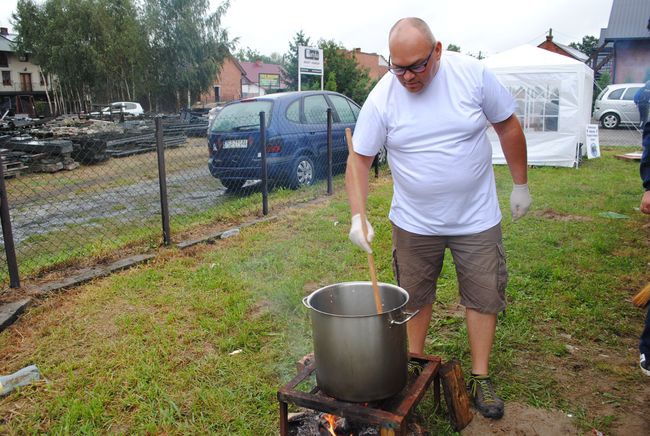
(615, 106)
(127, 107)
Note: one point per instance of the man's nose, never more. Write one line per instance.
(408, 75)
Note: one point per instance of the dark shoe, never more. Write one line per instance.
(645, 365)
(484, 398)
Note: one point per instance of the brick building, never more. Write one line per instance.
(564, 50)
(376, 65)
(227, 85)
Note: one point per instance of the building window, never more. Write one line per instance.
(23, 57)
(6, 78)
(4, 60)
(538, 106)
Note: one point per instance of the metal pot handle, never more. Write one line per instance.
(305, 303)
(410, 315)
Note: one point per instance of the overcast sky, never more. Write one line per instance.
(474, 25)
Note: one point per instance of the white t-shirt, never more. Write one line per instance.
(438, 151)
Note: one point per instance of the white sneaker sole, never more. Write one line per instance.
(645, 371)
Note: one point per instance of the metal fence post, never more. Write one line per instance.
(330, 188)
(265, 178)
(162, 180)
(10, 249)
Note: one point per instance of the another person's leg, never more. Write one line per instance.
(643, 115)
(644, 345)
(482, 278)
(417, 262)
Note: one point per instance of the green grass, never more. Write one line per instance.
(148, 350)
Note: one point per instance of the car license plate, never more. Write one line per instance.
(235, 143)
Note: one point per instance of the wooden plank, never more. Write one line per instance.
(456, 395)
(629, 156)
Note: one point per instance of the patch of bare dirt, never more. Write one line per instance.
(520, 419)
(261, 308)
(550, 214)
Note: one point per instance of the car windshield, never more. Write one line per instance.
(244, 115)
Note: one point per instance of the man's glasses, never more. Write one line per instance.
(416, 68)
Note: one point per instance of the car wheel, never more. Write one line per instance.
(302, 173)
(610, 120)
(232, 185)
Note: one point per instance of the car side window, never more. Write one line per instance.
(355, 110)
(343, 109)
(293, 111)
(629, 94)
(616, 94)
(315, 107)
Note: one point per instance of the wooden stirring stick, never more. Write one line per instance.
(364, 227)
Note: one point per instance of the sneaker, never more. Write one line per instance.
(645, 365)
(483, 396)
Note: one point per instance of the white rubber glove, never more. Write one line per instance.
(519, 201)
(356, 234)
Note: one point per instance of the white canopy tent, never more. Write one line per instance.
(553, 95)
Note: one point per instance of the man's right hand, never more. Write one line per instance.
(356, 234)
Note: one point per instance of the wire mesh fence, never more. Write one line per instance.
(617, 115)
(84, 187)
(87, 187)
(79, 188)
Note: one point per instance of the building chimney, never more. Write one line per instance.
(4, 31)
(549, 37)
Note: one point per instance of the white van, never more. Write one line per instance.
(615, 106)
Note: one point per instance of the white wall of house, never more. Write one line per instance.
(23, 75)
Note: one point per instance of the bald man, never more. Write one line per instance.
(432, 114)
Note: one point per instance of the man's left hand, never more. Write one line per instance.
(519, 201)
(645, 203)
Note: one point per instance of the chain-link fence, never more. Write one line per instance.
(78, 188)
(81, 188)
(617, 115)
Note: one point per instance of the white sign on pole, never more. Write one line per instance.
(593, 145)
(310, 61)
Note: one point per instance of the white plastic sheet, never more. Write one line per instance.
(553, 95)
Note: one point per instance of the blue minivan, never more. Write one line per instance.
(296, 137)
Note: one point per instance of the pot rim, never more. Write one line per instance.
(307, 300)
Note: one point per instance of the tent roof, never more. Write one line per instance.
(529, 56)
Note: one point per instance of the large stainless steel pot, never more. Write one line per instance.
(360, 355)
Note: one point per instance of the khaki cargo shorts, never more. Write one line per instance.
(480, 267)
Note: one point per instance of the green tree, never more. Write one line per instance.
(340, 68)
(187, 45)
(122, 51)
(453, 47)
(250, 55)
(351, 79)
(290, 63)
(330, 85)
(104, 50)
(588, 45)
(62, 36)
